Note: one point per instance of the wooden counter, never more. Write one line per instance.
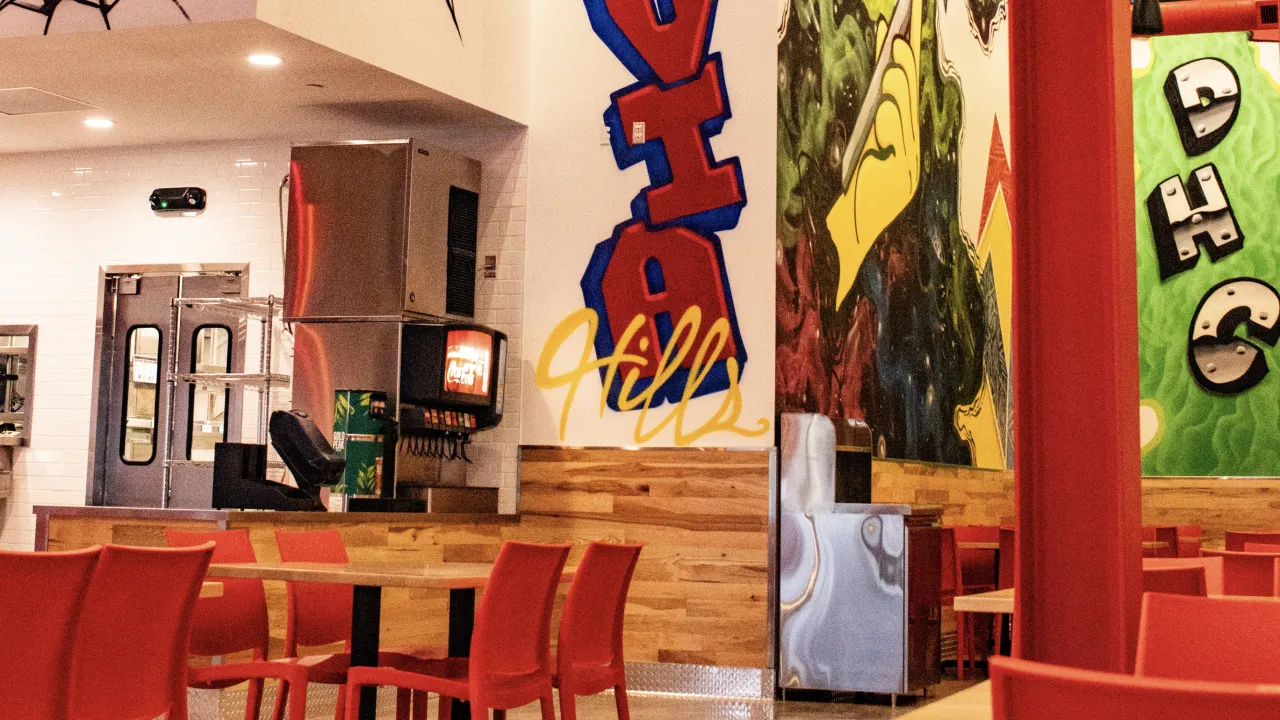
(700, 591)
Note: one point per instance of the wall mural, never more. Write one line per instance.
(35, 17)
(1205, 113)
(894, 240)
(659, 318)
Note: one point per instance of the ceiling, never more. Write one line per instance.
(192, 83)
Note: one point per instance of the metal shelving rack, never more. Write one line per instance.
(266, 310)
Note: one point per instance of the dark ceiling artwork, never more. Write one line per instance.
(454, 15)
(47, 8)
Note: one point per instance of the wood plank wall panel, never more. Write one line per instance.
(968, 496)
(700, 591)
(1216, 504)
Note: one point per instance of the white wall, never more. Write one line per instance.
(52, 246)
(578, 195)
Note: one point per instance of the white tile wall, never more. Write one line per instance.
(64, 215)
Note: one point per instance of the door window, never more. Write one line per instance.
(141, 400)
(210, 353)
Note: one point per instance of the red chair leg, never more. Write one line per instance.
(348, 703)
(568, 705)
(282, 692)
(298, 702)
(340, 709)
(620, 699)
(548, 703)
(479, 712)
(404, 699)
(445, 711)
(420, 705)
(960, 644)
(253, 706)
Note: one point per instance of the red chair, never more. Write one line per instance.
(320, 614)
(1253, 547)
(1218, 639)
(1235, 540)
(233, 623)
(1212, 569)
(1008, 558)
(1243, 573)
(977, 567)
(1167, 534)
(1190, 539)
(131, 649)
(1174, 580)
(1026, 690)
(951, 587)
(510, 663)
(39, 636)
(589, 650)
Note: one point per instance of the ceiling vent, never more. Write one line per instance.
(30, 101)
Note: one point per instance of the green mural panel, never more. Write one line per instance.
(1199, 432)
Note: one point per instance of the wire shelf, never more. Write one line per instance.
(249, 380)
(260, 307)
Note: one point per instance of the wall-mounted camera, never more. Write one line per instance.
(182, 201)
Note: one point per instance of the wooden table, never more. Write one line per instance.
(969, 704)
(367, 580)
(211, 590)
(995, 602)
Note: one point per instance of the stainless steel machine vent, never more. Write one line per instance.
(464, 221)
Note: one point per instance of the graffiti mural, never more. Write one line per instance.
(661, 329)
(1205, 110)
(894, 242)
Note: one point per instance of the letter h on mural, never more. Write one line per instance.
(665, 263)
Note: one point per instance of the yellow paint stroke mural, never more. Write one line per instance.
(674, 356)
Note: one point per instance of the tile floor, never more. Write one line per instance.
(649, 707)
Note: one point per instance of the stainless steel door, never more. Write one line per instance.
(133, 388)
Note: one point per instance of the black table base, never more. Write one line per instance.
(366, 624)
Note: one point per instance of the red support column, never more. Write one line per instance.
(1075, 350)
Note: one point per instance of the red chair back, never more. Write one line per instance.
(1253, 547)
(1174, 580)
(1008, 558)
(131, 649)
(1167, 534)
(512, 637)
(1026, 690)
(40, 608)
(1190, 538)
(591, 625)
(318, 614)
(1245, 573)
(951, 584)
(1212, 569)
(237, 621)
(1235, 540)
(1217, 639)
(977, 567)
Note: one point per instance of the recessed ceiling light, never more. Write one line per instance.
(99, 123)
(265, 60)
